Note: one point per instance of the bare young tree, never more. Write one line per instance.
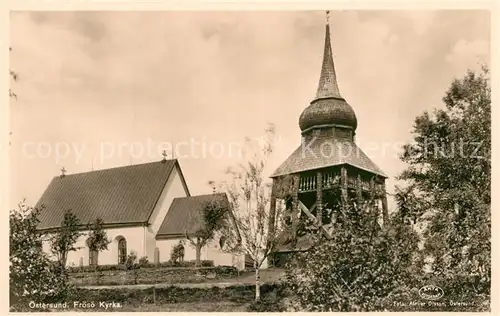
(249, 195)
(12, 95)
(15, 77)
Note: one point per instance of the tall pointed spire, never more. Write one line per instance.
(328, 87)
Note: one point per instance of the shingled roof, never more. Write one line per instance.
(185, 215)
(326, 152)
(119, 196)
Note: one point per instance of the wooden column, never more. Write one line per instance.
(372, 193)
(319, 197)
(295, 203)
(385, 211)
(272, 211)
(343, 185)
(359, 195)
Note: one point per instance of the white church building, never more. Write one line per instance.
(145, 208)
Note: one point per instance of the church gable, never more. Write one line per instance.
(185, 215)
(174, 188)
(122, 196)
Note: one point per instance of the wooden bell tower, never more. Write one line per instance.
(328, 168)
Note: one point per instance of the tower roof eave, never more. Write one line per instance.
(312, 157)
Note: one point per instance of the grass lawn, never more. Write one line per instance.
(190, 307)
(171, 307)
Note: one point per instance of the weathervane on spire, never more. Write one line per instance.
(327, 16)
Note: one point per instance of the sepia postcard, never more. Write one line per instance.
(308, 160)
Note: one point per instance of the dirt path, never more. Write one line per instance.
(160, 285)
(266, 276)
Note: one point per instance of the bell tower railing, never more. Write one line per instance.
(308, 182)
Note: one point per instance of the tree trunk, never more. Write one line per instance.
(257, 284)
(63, 259)
(198, 254)
(96, 274)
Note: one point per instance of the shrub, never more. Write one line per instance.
(273, 297)
(131, 262)
(364, 264)
(32, 276)
(267, 304)
(132, 265)
(177, 254)
(226, 271)
(143, 261)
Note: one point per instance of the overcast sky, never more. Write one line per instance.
(100, 81)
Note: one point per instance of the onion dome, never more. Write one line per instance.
(329, 108)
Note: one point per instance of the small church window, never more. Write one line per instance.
(122, 250)
(222, 241)
(181, 253)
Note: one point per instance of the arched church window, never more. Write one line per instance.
(122, 250)
(181, 253)
(222, 241)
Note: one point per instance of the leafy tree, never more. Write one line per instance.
(214, 215)
(64, 239)
(362, 265)
(32, 276)
(249, 196)
(449, 182)
(98, 239)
